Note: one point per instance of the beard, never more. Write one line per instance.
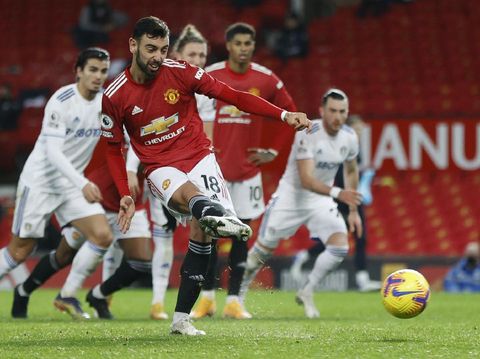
(144, 67)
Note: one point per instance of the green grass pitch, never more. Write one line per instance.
(352, 325)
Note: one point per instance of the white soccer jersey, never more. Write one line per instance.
(206, 107)
(70, 116)
(328, 154)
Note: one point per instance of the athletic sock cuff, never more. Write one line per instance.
(200, 248)
(140, 266)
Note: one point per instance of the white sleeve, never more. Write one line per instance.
(54, 131)
(132, 161)
(303, 147)
(206, 107)
(354, 148)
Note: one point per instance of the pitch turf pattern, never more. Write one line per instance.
(352, 325)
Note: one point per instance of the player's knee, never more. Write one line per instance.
(338, 240)
(102, 236)
(339, 251)
(21, 249)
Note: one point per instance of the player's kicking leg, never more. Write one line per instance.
(211, 218)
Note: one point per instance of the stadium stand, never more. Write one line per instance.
(406, 64)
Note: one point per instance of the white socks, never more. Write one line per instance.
(111, 260)
(256, 258)
(84, 264)
(7, 263)
(209, 294)
(161, 262)
(327, 261)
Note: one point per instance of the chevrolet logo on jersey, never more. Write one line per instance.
(159, 125)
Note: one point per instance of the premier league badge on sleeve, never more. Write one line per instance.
(107, 122)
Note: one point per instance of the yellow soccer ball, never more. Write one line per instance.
(405, 293)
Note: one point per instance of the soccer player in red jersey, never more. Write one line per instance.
(237, 142)
(154, 99)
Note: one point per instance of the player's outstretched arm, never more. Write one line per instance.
(254, 104)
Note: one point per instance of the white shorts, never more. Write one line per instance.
(33, 209)
(247, 197)
(206, 175)
(282, 220)
(139, 228)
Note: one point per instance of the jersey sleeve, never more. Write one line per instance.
(303, 146)
(54, 131)
(281, 96)
(112, 121)
(354, 148)
(54, 119)
(112, 133)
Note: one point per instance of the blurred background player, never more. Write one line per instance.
(52, 180)
(305, 197)
(135, 245)
(237, 142)
(465, 275)
(362, 278)
(74, 248)
(167, 135)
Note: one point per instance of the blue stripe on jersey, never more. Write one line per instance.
(21, 208)
(64, 98)
(65, 93)
(315, 128)
(266, 215)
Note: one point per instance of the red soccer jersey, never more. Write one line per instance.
(161, 117)
(97, 172)
(236, 131)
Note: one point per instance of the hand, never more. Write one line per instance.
(92, 193)
(298, 120)
(352, 198)
(355, 223)
(125, 213)
(259, 156)
(133, 185)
